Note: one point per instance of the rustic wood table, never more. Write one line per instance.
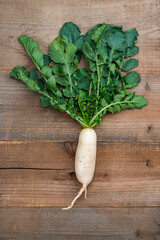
(37, 145)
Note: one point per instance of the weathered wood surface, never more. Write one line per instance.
(80, 223)
(23, 118)
(42, 174)
(42, 20)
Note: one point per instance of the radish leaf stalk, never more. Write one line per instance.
(86, 95)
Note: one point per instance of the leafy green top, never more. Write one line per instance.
(85, 95)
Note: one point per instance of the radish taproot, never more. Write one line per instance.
(85, 160)
(86, 95)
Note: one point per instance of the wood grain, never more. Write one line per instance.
(37, 163)
(42, 174)
(23, 118)
(42, 21)
(80, 223)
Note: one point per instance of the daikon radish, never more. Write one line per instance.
(85, 160)
(86, 95)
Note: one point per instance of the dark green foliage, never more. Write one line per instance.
(85, 95)
(131, 79)
(30, 78)
(129, 64)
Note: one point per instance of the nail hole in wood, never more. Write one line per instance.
(147, 87)
(149, 128)
(71, 174)
(138, 234)
(148, 163)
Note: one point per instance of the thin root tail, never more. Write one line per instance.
(83, 189)
(85, 193)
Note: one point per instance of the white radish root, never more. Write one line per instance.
(85, 161)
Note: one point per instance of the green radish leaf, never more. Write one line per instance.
(57, 50)
(79, 43)
(131, 51)
(139, 101)
(83, 84)
(46, 71)
(68, 93)
(60, 69)
(70, 31)
(81, 73)
(51, 83)
(112, 67)
(47, 60)
(33, 50)
(62, 52)
(130, 96)
(116, 40)
(130, 64)
(131, 37)
(88, 51)
(58, 93)
(97, 33)
(63, 81)
(32, 74)
(22, 74)
(45, 101)
(132, 79)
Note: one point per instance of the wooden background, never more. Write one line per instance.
(37, 145)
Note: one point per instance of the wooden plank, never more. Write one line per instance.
(80, 223)
(42, 174)
(22, 117)
(43, 21)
